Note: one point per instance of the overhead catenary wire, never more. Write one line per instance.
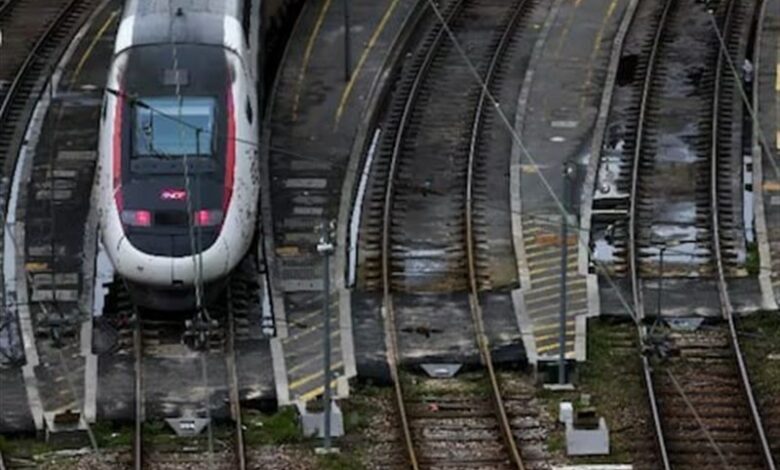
(519, 142)
(525, 151)
(202, 318)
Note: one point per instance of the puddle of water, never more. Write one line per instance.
(603, 251)
(675, 213)
(672, 149)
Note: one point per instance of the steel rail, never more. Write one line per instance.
(235, 403)
(387, 303)
(7, 6)
(636, 288)
(725, 300)
(23, 74)
(476, 308)
(138, 433)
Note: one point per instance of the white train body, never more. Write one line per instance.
(178, 167)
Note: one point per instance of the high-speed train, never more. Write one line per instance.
(178, 166)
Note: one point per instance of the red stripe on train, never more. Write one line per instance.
(230, 150)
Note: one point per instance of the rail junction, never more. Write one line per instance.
(430, 138)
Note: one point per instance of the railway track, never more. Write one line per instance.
(149, 332)
(698, 386)
(31, 62)
(22, 23)
(427, 236)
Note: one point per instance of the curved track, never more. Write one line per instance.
(707, 415)
(29, 80)
(454, 409)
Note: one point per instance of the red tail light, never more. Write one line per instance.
(207, 218)
(137, 218)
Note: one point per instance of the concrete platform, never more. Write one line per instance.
(766, 153)
(315, 122)
(50, 236)
(557, 108)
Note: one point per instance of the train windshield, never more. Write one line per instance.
(174, 127)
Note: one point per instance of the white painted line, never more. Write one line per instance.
(14, 235)
(267, 321)
(564, 124)
(305, 183)
(305, 210)
(347, 341)
(357, 209)
(280, 372)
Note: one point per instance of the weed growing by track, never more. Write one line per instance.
(613, 379)
(279, 428)
(760, 334)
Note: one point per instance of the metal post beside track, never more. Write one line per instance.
(325, 248)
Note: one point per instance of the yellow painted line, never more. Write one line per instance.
(777, 78)
(550, 313)
(314, 358)
(571, 278)
(306, 318)
(555, 317)
(91, 48)
(569, 334)
(549, 298)
(355, 73)
(595, 51)
(565, 33)
(308, 396)
(772, 185)
(554, 286)
(35, 267)
(307, 57)
(550, 326)
(556, 346)
(311, 377)
(309, 331)
(553, 265)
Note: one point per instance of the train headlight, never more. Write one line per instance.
(137, 218)
(208, 218)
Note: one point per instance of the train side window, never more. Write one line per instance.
(249, 112)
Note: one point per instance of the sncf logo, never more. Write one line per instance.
(173, 194)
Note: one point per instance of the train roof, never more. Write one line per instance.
(207, 22)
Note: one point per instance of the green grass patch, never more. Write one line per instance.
(760, 340)
(279, 428)
(612, 377)
(340, 462)
(752, 261)
(108, 435)
(360, 409)
(27, 447)
(420, 387)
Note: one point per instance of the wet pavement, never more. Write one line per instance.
(558, 109)
(51, 236)
(766, 147)
(316, 138)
